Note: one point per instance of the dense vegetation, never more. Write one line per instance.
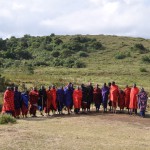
(30, 51)
(56, 59)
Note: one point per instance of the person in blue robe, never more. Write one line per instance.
(68, 98)
(24, 103)
(17, 102)
(60, 99)
(105, 93)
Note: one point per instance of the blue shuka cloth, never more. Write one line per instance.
(105, 93)
(25, 99)
(17, 99)
(60, 99)
(68, 99)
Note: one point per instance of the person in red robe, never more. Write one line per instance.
(121, 100)
(33, 98)
(8, 104)
(53, 106)
(51, 103)
(134, 99)
(77, 98)
(127, 91)
(48, 101)
(97, 97)
(114, 93)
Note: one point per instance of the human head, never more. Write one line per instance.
(113, 83)
(104, 84)
(109, 84)
(134, 85)
(42, 87)
(16, 88)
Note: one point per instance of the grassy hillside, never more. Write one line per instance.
(101, 58)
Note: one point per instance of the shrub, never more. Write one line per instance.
(5, 119)
(146, 59)
(55, 53)
(69, 63)
(82, 54)
(79, 64)
(120, 55)
(140, 48)
(143, 70)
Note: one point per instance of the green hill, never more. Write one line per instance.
(59, 59)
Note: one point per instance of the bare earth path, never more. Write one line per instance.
(94, 131)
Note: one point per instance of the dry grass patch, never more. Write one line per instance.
(94, 131)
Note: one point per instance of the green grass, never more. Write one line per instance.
(101, 66)
(5, 119)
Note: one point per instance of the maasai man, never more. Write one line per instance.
(97, 97)
(53, 106)
(60, 99)
(33, 98)
(68, 98)
(42, 99)
(109, 101)
(142, 102)
(24, 103)
(89, 96)
(121, 100)
(134, 99)
(105, 93)
(8, 104)
(114, 93)
(77, 98)
(17, 102)
(72, 89)
(84, 98)
(48, 101)
(127, 91)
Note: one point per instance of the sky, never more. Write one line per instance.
(69, 17)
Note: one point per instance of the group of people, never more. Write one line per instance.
(80, 99)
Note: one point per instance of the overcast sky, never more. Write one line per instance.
(43, 17)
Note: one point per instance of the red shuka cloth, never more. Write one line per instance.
(51, 100)
(127, 96)
(97, 96)
(24, 109)
(114, 93)
(8, 104)
(134, 98)
(121, 100)
(77, 98)
(33, 98)
(53, 95)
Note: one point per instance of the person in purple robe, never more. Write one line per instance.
(68, 98)
(24, 103)
(105, 93)
(142, 102)
(60, 99)
(17, 102)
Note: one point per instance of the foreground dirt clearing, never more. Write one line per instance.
(94, 131)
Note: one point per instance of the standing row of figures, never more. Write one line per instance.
(52, 99)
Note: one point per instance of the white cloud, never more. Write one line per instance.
(43, 17)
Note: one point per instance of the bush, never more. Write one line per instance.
(5, 119)
(120, 55)
(140, 48)
(82, 54)
(143, 70)
(55, 53)
(79, 64)
(146, 59)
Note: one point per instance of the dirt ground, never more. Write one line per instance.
(93, 131)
